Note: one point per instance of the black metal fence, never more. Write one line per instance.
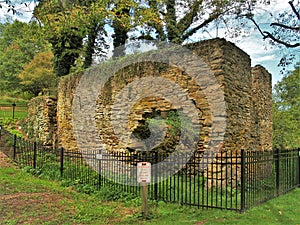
(232, 181)
(13, 111)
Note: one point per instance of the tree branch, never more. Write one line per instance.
(269, 35)
(284, 26)
(266, 35)
(187, 20)
(195, 29)
(256, 25)
(294, 9)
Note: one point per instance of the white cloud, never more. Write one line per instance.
(264, 58)
(254, 45)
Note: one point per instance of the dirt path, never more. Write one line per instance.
(27, 206)
(4, 160)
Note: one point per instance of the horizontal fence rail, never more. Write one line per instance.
(233, 180)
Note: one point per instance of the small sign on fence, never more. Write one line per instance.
(99, 156)
(144, 172)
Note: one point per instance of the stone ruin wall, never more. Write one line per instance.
(262, 108)
(247, 94)
(40, 124)
(152, 106)
(66, 90)
(262, 119)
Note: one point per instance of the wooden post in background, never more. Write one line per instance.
(145, 205)
(144, 178)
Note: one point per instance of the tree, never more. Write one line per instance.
(38, 75)
(19, 43)
(177, 20)
(65, 28)
(286, 111)
(283, 31)
(76, 28)
(184, 18)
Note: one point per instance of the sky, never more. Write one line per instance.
(260, 51)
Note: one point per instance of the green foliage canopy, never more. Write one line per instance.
(38, 75)
(286, 111)
(19, 43)
(76, 28)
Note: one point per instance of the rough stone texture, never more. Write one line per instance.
(262, 108)
(66, 89)
(262, 120)
(248, 94)
(40, 124)
(147, 107)
(232, 68)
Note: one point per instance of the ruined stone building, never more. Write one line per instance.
(247, 94)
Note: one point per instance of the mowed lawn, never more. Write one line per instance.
(6, 108)
(7, 112)
(25, 199)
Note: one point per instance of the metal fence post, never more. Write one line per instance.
(277, 170)
(155, 176)
(15, 147)
(243, 176)
(61, 162)
(13, 110)
(34, 155)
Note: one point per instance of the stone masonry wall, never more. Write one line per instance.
(262, 119)
(40, 124)
(152, 106)
(262, 108)
(66, 89)
(232, 68)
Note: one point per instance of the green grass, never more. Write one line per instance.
(8, 119)
(6, 109)
(6, 112)
(7, 100)
(25, 199)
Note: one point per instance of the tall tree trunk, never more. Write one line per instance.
(65, 51)
(91, 42)
(120, 36)
(171, 23)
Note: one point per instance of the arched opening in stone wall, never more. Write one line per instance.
(150, 113)
(154, 129)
